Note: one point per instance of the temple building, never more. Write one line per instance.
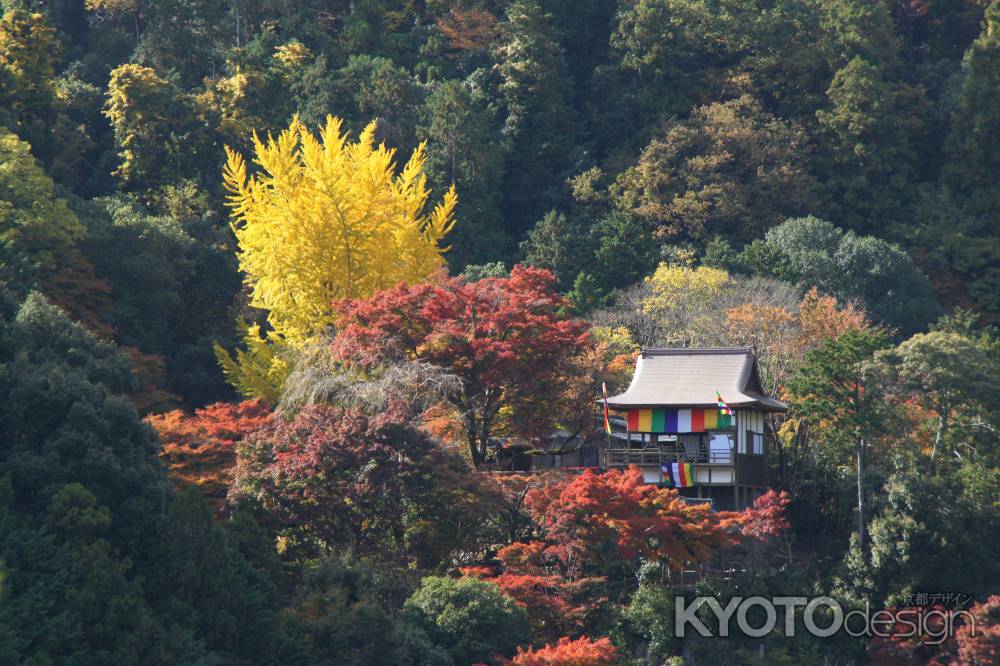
(672, 424)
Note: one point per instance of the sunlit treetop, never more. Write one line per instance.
(324, 218)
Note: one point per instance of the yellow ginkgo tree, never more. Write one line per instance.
(318, 219)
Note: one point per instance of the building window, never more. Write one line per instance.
(720, 447)
(758, 443)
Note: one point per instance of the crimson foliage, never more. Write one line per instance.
(507, 339)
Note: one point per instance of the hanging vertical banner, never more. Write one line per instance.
(678, 475)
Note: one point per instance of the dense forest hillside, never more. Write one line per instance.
(288, 288)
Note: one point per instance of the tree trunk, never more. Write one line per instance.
(471, 433)
(861, 498)
(942, 428)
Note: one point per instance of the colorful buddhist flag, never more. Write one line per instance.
(725, 419)
(724, 409)
(607, 417)
(678, 475)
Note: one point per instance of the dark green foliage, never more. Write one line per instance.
(336, 619)
(873, 272)
(558, 244)
(973, 139)
(66, 419)
(183, 36)
(203, 584)
(535, 91)
(470, 618)
(171, 272)
(98, 569)
(381, 91)
(871, 130)
(614, 252)
(838, 385)
(68, 596)
(465, 149)
(925, 525)
(624, 252)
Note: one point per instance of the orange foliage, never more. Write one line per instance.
(975, 641)
(555, 606)
(468, 30)
(150, 371)
(199, 450)
(76, 289)
(581, 652)
(979, 642)
(824, 318)
(770, 331)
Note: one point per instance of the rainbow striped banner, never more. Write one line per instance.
(677, 420)
(678, 475)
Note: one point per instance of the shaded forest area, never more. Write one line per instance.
(231, 435)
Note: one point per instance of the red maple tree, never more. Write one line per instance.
(768, 517)
(978, 643)
(507, 339)
(332, 477)
(618, 507)
(554, 604)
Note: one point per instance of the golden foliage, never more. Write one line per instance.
(468, 30)
(229, 98)
(672, 284)
(325, 218)
(112, 5)
(293, 53)
(686, 296)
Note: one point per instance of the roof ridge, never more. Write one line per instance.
(689, 351)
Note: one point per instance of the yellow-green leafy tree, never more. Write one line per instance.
(322, 218)
(29, 49)
(157, 130)
(685, 302)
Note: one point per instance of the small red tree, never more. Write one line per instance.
(768, 517)
(555, 606)
(581, 652)
(199, 449)
(588, 523)
(507, 339)
(905, 647)
(766, 524)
